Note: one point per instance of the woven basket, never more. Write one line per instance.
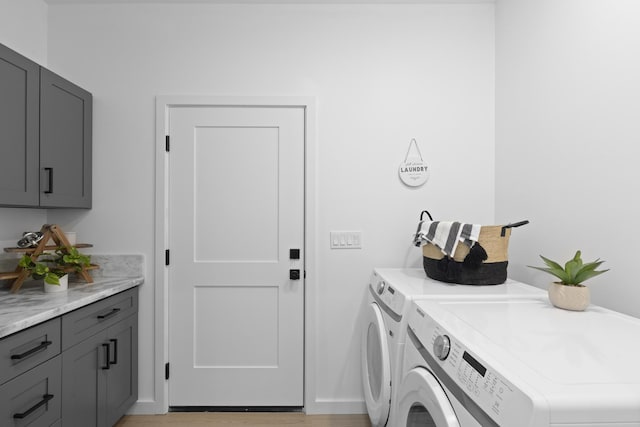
(494, 239)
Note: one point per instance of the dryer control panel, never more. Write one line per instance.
(387, 296)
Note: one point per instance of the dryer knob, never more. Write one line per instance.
(380, 288)
(441, 346)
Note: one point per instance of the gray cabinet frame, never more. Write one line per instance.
(76, 370)
(19, 125)
(45, 137)
(100, 371)
(65, 143)
(100, 376)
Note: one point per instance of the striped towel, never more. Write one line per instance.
(446, 235)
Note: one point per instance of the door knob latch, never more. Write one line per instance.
(294, 274)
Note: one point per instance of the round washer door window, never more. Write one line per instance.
(376, 366)
(423, 402)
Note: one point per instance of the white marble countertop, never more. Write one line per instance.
(31, 305)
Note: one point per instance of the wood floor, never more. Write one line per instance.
(250, 419)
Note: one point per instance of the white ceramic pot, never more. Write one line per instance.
(574, 298)
(62, 287)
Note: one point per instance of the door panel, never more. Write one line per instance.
(236, 207)
(224, 213)
(65, 142)
(19, 121)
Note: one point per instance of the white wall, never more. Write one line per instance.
(567, 134)
(23, 28)
(381, 75)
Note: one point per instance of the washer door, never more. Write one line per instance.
(423, 402)
(376, 366)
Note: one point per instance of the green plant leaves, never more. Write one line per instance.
(574, 272)
(53, 267)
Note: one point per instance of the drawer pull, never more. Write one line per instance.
(25, 414)
(109, 314)
(107, 355)
(42, 346)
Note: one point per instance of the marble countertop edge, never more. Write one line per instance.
(31, 306)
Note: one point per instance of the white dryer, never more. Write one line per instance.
(389, 297)
(518, 362)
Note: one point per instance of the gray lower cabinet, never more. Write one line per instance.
(101, 376)
(77, 370)
(30, 376)
(100, 361)
(33, 399)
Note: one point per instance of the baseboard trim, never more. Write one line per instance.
(146, 407)
(336, 407)
(317, 407)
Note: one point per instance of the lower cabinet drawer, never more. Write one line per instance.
(34, 398)
(24, 350)
(84, 322)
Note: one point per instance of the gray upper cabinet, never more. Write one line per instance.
(19, 129)
(45, 138)
(65, 143)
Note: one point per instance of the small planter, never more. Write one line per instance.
(62, 287)
(574, 298)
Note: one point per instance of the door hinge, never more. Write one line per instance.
(166, 371)
(166, 257)
(166, 143)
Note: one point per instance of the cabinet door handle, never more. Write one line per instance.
(107, 355)
(42, 346)
(109, 314)
(49, 189)
(25, 414)
(115, 352)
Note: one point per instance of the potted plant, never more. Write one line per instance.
(54, 268)
(569, 293)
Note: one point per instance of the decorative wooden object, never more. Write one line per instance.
(49, 231)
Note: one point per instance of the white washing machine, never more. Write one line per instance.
(518, 362)
(389, 297)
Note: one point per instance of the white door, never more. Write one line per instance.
(236, 209)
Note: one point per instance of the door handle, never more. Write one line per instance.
(294, 274)
(115, 352)
(107, 356)
(49, 189)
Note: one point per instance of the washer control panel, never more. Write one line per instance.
(488, 389)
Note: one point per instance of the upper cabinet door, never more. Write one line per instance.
(19, 92)
(65, 143)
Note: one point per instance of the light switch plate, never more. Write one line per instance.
(346, 239)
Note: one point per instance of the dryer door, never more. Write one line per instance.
(423, 402)
(376, 366)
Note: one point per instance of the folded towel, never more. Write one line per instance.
(446, 235)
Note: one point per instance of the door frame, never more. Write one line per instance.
(164, 103)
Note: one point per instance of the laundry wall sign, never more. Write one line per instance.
(414, 171)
